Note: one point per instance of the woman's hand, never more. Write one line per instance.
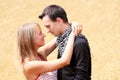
(76, 28)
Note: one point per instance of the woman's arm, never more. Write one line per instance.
(37, 67)
(47, 48)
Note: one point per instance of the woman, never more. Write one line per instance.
(35, 65)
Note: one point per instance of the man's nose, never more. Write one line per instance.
(48, 30)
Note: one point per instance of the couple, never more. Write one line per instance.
(74, 61)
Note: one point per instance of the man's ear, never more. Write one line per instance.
(59, 19)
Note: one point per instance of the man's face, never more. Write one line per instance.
(52, 27)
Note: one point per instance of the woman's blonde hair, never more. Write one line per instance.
(25, 41)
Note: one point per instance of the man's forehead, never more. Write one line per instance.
(46, 18)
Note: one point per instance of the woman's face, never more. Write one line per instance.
(39, 37)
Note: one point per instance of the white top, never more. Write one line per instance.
(48, 76)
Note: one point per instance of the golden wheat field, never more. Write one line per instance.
(101, 25)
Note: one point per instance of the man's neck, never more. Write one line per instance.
(64, 27)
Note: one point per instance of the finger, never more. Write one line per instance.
(76, 30)
(80, 29)
(73, 28)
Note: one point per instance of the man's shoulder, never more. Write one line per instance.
(81, 40)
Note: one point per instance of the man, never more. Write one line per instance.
(55, 20)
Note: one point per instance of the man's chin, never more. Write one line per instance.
(55, 35)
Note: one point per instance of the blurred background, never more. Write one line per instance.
(101, 25)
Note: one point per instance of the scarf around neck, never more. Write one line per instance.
(62, 41)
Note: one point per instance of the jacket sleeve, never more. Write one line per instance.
(82, 60)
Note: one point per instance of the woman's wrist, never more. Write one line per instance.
(72, 34)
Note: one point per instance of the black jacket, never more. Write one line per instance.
(80, 66)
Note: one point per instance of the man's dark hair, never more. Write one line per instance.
(54, 11)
